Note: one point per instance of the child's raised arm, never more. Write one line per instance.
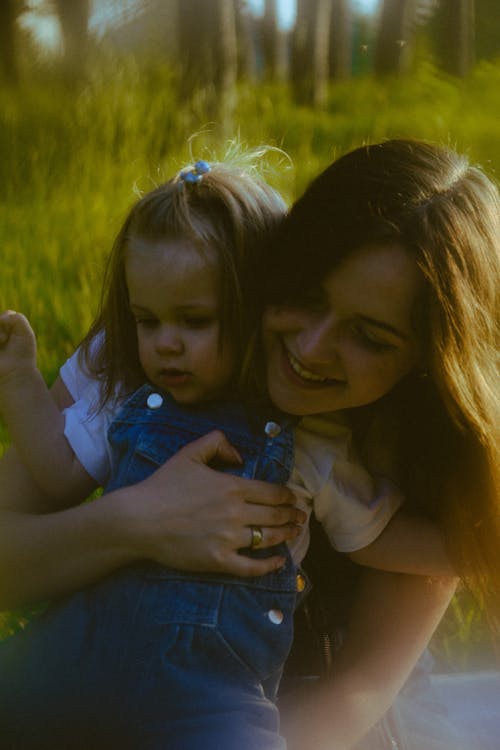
(408, 544)
(35, 424)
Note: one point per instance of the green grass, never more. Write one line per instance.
(72, 163)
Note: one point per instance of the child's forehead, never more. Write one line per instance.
(172, 271)
(176, 250)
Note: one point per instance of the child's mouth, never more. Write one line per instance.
(171, 377)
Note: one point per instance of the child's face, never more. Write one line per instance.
(352, 344)
(173, 295)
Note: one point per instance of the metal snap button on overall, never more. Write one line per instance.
(272, 429)
(154, 401)
(275, 616)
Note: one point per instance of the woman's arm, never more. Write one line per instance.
(45, 552)
(408, 544)
(393, 618)
(184, 515)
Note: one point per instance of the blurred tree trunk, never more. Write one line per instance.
(395, 37)
(171, 20)
(456, 35)
(272, 43)
(225, 49)
(245, 34)
(207, 33)
(74, 19)
(300, 59)
(195, 43)
(311, 51)
(486, 29)
(341, 40)
(8, 58)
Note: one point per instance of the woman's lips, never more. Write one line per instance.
(301, 376)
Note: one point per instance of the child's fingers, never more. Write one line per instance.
(7, 314)
(6, 322)
(12, 322)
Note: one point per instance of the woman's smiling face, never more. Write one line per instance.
(353, 343)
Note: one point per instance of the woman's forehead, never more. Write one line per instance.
(379, 281)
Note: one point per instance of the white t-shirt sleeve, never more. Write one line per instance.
(86, 431)
(353, 507)
(75, 375)
(86, 426)
(349, 502)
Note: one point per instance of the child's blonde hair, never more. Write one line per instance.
(225, 209)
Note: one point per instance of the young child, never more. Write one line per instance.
(177, 312)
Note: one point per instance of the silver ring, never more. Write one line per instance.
(257, 537)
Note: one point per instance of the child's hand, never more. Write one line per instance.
(17, 346)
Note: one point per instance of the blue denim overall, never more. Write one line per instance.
(154, 657)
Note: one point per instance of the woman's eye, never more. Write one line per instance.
(371, 342)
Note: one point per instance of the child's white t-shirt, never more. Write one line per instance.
(327, 475)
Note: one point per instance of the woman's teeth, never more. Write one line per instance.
(305, 374)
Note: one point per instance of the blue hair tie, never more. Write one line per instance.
(192, 175)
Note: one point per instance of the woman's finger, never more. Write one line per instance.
(252, 514)
(263, 493)
(214, 445)
(268, 536)
(250, 566)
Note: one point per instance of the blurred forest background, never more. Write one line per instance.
(103, 99)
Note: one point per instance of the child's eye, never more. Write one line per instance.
(199, 321)
(148, 323)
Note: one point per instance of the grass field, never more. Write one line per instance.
(72, 162)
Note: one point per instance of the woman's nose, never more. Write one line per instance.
(316, 341)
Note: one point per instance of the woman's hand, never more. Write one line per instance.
(185, 515)
(189, 516)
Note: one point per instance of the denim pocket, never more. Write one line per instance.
(253, 625)
(182, 601)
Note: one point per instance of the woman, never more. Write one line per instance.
(387, 194)
(442, 418)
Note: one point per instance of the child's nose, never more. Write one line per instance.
(169, 341)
